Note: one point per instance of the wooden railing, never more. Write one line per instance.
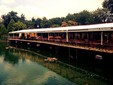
(81, 43)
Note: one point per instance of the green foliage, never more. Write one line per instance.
(19, 26)
(3, 30)
(29, 24)
(45, 23)
(100, 15)
(13, 15)
(36, 22)
(7, 18)
(11, 25)
(108, 4)
(22, 18)
(84, 17)
(70, 17)
(56, 21)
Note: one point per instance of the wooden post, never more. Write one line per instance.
(101, 38)
(48, 36)
(67, 37)
(14, 35)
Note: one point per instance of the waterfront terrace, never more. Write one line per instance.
(96, 37)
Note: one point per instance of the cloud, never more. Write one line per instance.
(48, 8)
(4, 9)
(7, 1)
(30, 11)
(8, 67)
(40, 80)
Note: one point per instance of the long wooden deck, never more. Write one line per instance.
(86, 47)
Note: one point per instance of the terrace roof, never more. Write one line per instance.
(79, 28)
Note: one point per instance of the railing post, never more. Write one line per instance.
(13, 35)
(48, 36)
(67, 36)
(101, 38)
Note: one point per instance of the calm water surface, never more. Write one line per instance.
(23, 67)
(19, 68)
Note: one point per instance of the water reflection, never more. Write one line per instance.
(9, 57)
(29, 61)
(1, 59)
(24, 68)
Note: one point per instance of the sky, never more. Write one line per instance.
(48, 8)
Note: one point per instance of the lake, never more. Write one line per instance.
(25, 67)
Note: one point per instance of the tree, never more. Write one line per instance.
(108, 4)
(102, 16)
(84, 17)
(33, 21)
(45, 23)
(36, 22)
(70, 17)
(29, 24)
(19, 26)
(13, 15)
(22, 18)
(55, 21)
(11, 25)
(3, 30)
(7, 18)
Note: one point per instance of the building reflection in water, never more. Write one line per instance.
(76, 75)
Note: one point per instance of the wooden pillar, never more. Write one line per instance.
(101, 38)
(88, 37)
(20, 35)
(48, 36)
(14, 35)
(67, 36)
